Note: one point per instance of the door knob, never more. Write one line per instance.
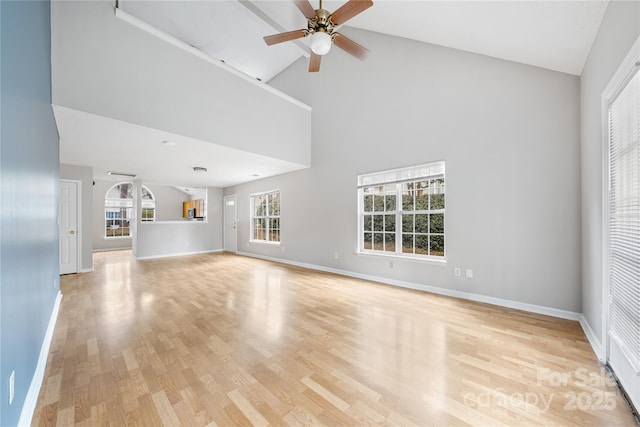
(72, 232)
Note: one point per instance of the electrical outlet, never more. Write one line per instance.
(457, 272)
(12, 385)
(336, 255)
(469, 273)
(282, 247)
(390, 264)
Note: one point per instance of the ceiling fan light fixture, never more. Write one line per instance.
(320, 43)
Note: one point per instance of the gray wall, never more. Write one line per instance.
(168, 202)
(619, 30)
(509, 134)
(159, 240)
(29, 177)
(85, 175)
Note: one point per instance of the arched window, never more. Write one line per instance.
(148, 205)
(118, 209)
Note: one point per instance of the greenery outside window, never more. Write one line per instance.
(265, 217)
(401, 212)
(118, 209)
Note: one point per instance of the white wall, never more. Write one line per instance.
(188, 237)
(619, 30)
(509, 134)
(104, 65)
(84, 174)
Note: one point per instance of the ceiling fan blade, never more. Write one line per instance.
(349, 10)
(305, 7)
(314, 63)
(284, 37)
(350, 46)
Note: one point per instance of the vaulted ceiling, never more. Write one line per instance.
(550, 34)
(556, 35)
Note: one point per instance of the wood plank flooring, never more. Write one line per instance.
(221, 339)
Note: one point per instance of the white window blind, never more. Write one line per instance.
(624, 220)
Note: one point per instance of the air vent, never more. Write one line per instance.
(130, 175)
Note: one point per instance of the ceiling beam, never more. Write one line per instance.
(250, 5)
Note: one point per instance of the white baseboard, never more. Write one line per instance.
(548, 311)
(87, 270)
(596, 345)
(128, 248)
(30, 401)
(179, 254)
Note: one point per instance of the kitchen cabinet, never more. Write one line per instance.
(197, 206)
(185, 208)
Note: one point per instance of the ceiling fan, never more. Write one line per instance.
(321, 25)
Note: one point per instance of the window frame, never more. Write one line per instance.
(128, 208)
(623, 356)
(268, 217)
(144, 208)
(393, 182)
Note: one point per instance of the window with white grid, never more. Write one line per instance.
(265, 217)
(118, 209)
(401, 212)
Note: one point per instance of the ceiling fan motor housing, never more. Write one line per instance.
(321, 22)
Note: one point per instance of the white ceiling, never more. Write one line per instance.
(556, 35)
(225, 30)
(553, 34)
(113, 145)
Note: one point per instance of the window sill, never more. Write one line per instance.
(264, 242)
(116, 237)
(177, 221)
(436, 261)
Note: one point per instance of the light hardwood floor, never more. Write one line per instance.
(221, 339)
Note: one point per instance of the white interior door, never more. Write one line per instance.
(230, 224)
(68, 227)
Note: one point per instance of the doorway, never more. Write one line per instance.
(230, 224)
(69, 226)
